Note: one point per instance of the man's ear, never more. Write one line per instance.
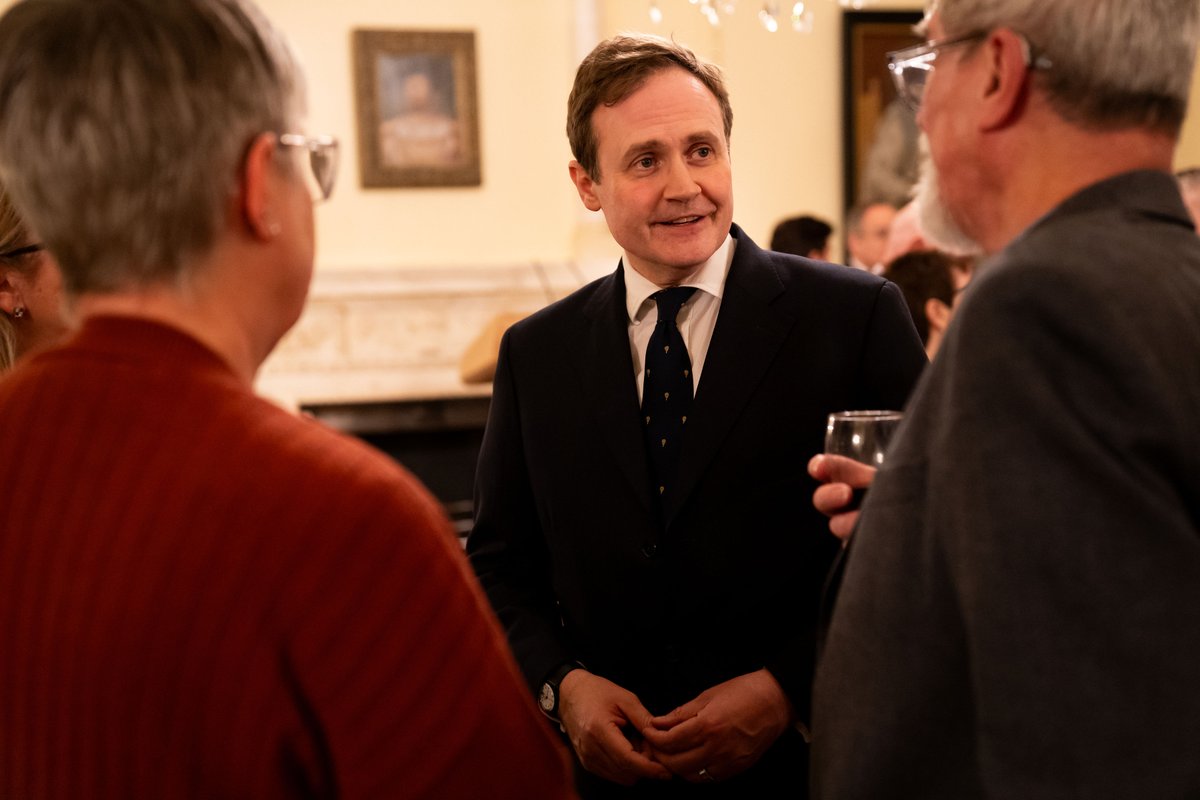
(256, 193)
(937, 313)
(10, 291)
(585, 186)
(1007, 90)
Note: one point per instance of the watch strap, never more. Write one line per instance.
(549, 698)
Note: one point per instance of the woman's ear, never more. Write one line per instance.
(10, 291)
(256, 193)
(938, 314)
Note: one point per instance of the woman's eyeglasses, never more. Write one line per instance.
(322, 161)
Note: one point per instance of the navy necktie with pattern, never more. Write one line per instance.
(667, 389)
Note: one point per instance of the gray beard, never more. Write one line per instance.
(933, 218)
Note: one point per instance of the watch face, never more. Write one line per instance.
(546, 699)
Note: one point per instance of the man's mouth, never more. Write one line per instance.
(678, 221)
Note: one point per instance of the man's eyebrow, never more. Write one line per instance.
(648, 146)
(654, 145)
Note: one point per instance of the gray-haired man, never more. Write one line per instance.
(1020, 612)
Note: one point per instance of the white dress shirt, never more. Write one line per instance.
(696, 319)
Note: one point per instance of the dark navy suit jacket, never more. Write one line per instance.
(569, 543)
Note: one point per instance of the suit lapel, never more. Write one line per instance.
(748, 335)
(607, 369)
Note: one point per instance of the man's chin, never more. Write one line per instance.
(938, 226)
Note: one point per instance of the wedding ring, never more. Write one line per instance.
(705, 775)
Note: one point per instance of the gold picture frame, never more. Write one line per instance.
(418, 116)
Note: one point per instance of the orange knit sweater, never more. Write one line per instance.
(204, 596)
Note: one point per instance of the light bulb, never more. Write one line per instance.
(802, 19)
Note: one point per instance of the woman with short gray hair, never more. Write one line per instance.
(202, 595)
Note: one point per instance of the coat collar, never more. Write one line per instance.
(750, 329)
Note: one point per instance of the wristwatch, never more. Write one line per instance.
(548, 696)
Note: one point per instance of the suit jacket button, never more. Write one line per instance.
(650, 550)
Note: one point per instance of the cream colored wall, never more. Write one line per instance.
(786, 90)
(1188, 154)
(787, 146)
(786, 94)
(524, 211)
(787, 132)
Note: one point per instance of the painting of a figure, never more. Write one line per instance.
(420, 126)
(417, 113)
(881, 136)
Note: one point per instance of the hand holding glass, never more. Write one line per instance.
(861, 435)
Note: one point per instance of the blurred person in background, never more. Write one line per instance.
(932, 282)
(32, 314)
(905, 234)
(202, 595)
(867, 227)
(802, 236)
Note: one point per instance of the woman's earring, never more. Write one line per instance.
(18, 312)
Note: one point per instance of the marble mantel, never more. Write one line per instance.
(397, 335)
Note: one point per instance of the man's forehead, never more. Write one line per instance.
(645, 125)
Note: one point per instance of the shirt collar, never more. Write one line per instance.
(709, 277)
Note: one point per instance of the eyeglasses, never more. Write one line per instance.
(322, 161)
(23, 251)
(910, 67)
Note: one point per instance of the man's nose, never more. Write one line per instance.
(681, 185)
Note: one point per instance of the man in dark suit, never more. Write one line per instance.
(641, 519)
(1020, 612)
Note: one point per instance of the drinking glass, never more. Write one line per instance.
(861, 435)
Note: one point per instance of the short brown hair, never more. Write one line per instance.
(618, 67)
(925, 275)
(13, 233)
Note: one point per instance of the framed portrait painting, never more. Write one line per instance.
(418, 117)
(881, 151)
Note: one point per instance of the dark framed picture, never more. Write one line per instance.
(881, 137)
(418, 117)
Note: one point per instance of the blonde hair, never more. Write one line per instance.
(8, 343)
(12, 235)
(12, 227)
